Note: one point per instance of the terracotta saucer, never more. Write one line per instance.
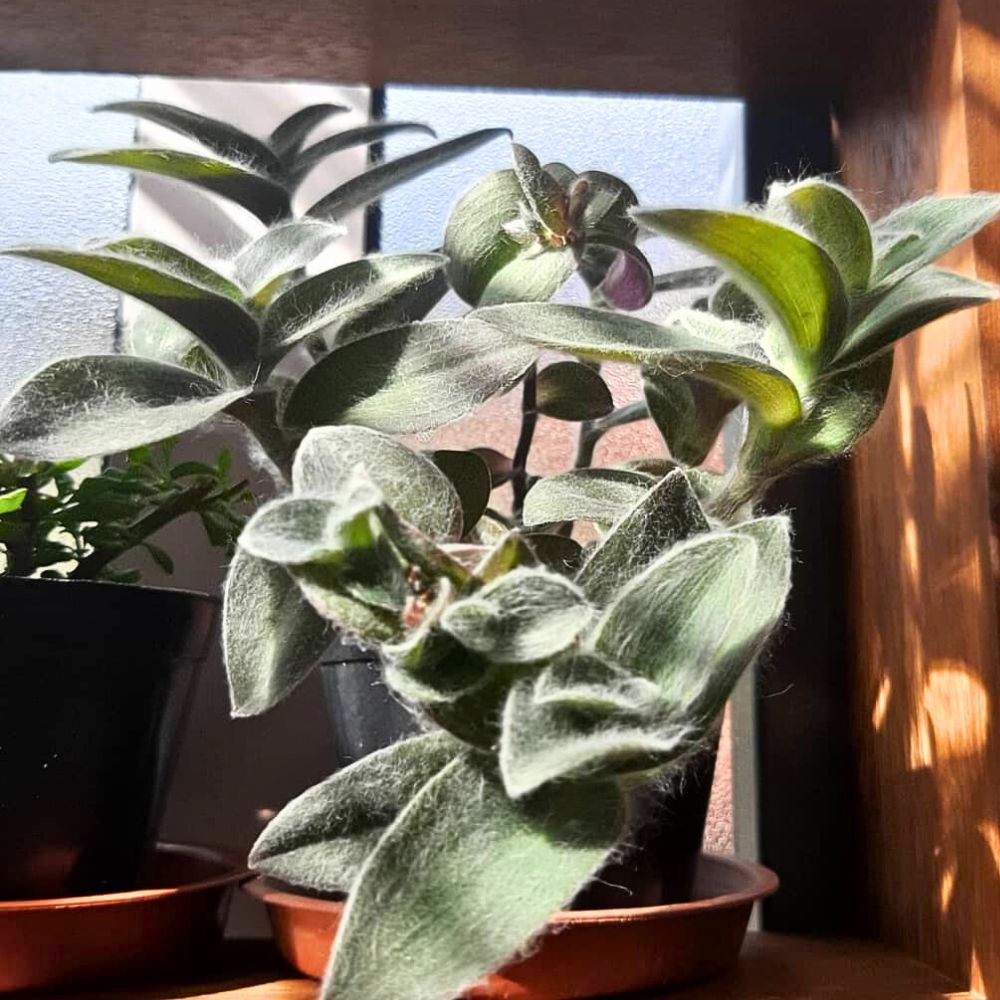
(587, 953)
(175, 919)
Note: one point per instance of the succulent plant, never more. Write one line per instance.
(553, 677)
(252, 335)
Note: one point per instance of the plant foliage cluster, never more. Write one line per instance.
(553, 678)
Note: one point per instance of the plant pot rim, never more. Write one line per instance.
(759, 883)
(234, 871)
(109, 585)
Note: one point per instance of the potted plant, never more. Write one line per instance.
(94, 706)
(558, 684)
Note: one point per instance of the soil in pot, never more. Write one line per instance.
(97, 680)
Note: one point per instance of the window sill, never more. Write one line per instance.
(773, 967)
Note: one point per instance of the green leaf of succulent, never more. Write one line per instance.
(347, 292)
(923, 297)
(321, 839)
(282, 250)
(473, 878)
(102, 404)
(150, 334)
(544, 194)
(170, 259)
(561, 173)
(512, 550)
(794, 278)
(688, 413)
(584, 719)
(220, 137)
(294, 531)
(12, 500)
(271, 637)
(259, 195)
(608, 202)
(333, 591)
(411, 484)
(470, 476)
(363, 135)
(847, 403)
(221, 324)
(601, 495)
(717, 598)
(689, 342)
(535, 275)
(522, 617)
(475, 241)
(375, 181)
(916, 234)
(288, 138)
(410, 379)
(835, 221)
(669, 513)
(568, 390)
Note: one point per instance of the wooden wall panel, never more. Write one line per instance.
(922, 575)
(732, 47)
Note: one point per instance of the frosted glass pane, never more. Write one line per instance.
(48, 312)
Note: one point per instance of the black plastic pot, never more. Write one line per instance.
(363, 711)
(657, 866)
(95, 686)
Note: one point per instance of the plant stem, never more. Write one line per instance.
(529, 420)
(91, 566)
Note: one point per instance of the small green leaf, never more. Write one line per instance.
(926, 229)
(793, 277)
(272, 638)
(535, 275)
(568, 390)
(921, 298)
(220, 137)
(411, 483)
(475, 241)
(688, 342)
(470, 476)
(602, 495)
(168, 258)
(688, 413)
(261, 196)
(321, 839)
(847, 404)
(669, 513)
(584, 719)
(221, 324)
(288, 138)
(103, 404)
(160, 556)
(472, 877)
(12, 500)
(282, 250)
(543, 193)
(363, 135)
(717, 597)
(345, 293)
(835, 220)
(522, 617)
(375, 181)
(608, 204)
(409, 379)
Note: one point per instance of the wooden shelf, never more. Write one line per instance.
(773, 967)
